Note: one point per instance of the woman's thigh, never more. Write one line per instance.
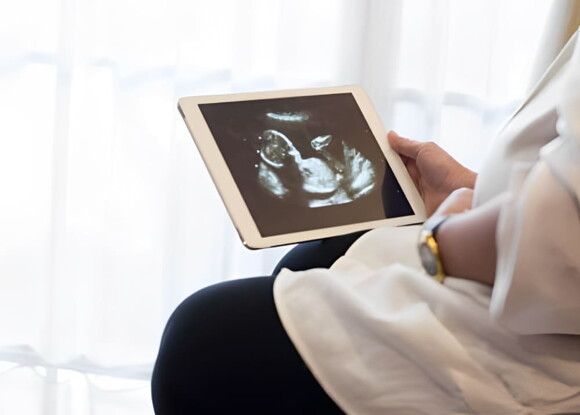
(224, 350)
(317, 254)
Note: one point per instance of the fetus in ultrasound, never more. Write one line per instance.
(325, 177)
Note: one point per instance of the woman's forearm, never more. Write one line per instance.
(467, 243)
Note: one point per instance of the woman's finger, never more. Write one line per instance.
(404, 146)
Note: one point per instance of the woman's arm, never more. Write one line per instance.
(466, 240)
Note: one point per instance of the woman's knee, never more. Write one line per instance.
(200, 340)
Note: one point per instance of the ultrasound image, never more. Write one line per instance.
(327, 178)
(305, 163)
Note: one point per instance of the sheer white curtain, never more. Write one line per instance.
(107, 216)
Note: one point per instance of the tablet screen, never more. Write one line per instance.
(306, 162)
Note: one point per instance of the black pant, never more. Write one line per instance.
(224, 349)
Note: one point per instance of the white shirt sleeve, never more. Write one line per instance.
(537, 288)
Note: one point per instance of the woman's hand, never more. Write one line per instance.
(435, 173)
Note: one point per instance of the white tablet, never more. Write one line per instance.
(299, 165)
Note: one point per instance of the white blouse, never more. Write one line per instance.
(537, 286)
(381, 337)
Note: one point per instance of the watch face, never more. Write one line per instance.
(428, 259)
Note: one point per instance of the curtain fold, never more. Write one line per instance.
(108, 217)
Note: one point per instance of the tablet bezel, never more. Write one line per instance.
(231, 195)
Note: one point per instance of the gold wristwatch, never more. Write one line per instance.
(429, 249)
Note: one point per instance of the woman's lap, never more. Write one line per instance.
(224, 349)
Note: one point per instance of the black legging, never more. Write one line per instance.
(224, 349)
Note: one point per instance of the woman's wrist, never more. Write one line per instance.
(467, 245)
